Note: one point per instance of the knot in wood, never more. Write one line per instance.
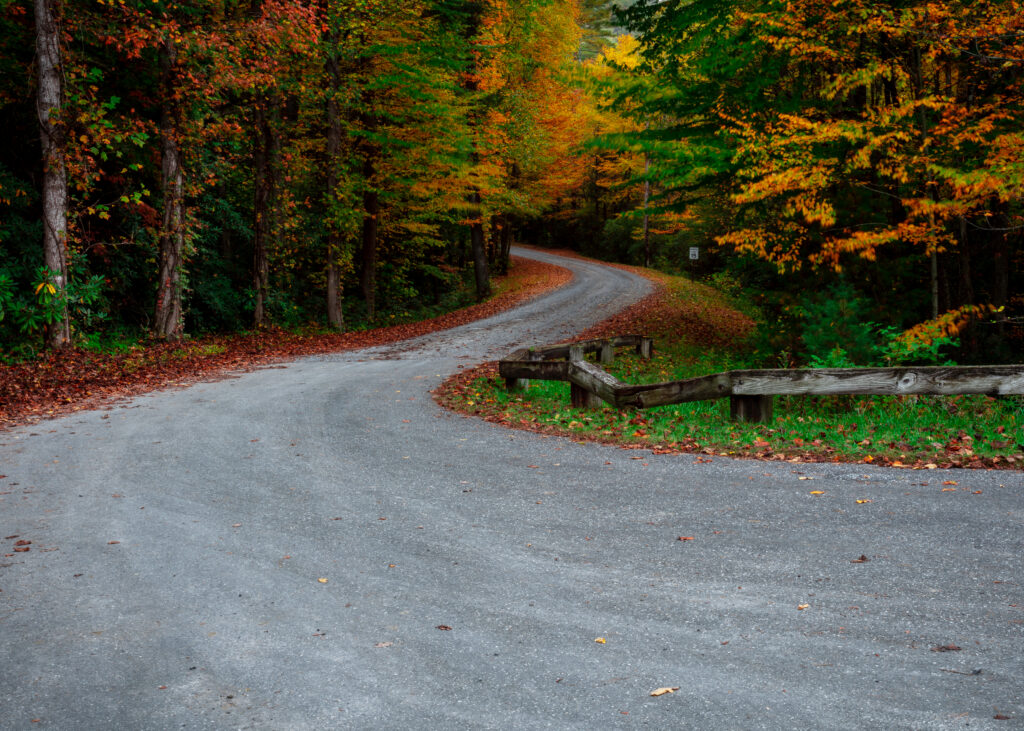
(906, 381)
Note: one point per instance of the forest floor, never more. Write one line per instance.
(74, 379)
(698, 331)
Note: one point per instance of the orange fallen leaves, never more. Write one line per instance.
(664, 691)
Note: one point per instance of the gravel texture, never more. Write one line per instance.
(319, 545)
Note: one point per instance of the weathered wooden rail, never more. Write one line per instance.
(750, 391)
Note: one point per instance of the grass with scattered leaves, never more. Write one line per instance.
(697, 332)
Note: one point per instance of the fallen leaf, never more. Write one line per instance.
(802, 607)
(664, 691)
(322, 580)
(22, 549)
(600, 640)
(384, 644)
(805, 478)
(112, 543)
(236, 525)
(862, 559)
(861, 502)
(949, 489)
(817, 492)
(444, 627)
(950, 482)
(946, 648)
(533, 466)
(23, 543)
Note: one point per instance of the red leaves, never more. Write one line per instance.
(72, 380)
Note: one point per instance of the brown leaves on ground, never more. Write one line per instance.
(700, 312)
(71, 379)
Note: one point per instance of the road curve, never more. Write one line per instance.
(318, 545)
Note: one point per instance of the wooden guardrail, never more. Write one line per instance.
(750, 391)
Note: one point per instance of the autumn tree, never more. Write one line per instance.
(49, 105)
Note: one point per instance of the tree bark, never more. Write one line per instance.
(480, 268)
(371, 208)
(49, 102)
(168, 320)
(263, 185)
(505, 244)
(335, 315)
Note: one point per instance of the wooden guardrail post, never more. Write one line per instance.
(520, 384)
(606, 354)
(580, 397)
(646, 348)
(751, 408)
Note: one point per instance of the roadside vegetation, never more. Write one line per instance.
(72, 379)
(699, 331)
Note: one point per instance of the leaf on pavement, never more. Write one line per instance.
(664, 691)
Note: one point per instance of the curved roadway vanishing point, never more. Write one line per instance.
(319, 545)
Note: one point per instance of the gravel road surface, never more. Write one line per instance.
(318, 545)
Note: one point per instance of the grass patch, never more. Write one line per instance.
(698, 332)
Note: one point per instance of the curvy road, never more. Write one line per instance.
(319, 545)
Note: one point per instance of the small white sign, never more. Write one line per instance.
(694, 253)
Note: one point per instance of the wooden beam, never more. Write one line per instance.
(596, 381)
(675, 392)
(543, 370)
(937, 380)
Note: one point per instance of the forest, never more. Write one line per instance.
(851, 171)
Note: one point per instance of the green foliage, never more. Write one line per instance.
(836, 327)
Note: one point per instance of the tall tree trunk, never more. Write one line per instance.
(480, 268)
(504, 243)
(647, 198)
(261, 195)
(647, 217)
(335, 316)
(49, 101)
(168, 321)
(371, 209)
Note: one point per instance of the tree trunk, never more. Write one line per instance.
(49, 101)
(647, 198)
(371, 207)
(505, 239)
(263, 184)
(335, 316)
(168, 321)
(480, 268)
